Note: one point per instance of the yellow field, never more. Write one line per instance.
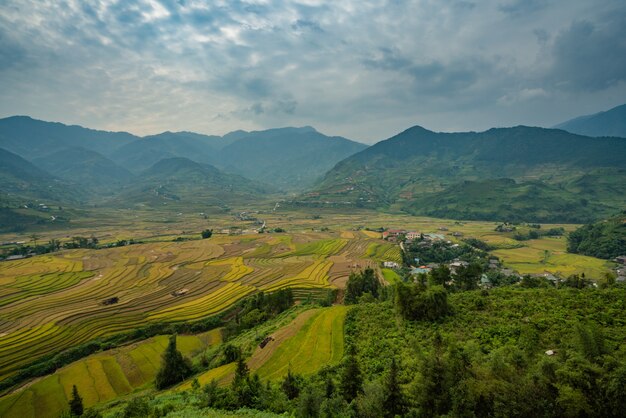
(52, 302)
(100, 377)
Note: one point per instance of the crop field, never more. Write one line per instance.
(100, 377)
(319, 342)
(310, 341)
(52, 302)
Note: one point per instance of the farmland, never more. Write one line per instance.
(53, 302)
(101, 377)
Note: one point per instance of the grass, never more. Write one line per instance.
(391, 276)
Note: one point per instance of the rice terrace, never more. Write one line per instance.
(312, 209)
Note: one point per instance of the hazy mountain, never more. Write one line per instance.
(144, 152)
(84, 166)
(21, 181)
(552, 175)
(288, 158)
(609, 123)
(183, 180)
(31, 138)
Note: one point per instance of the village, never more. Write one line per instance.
(424, 252)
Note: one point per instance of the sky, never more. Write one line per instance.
(365, 70)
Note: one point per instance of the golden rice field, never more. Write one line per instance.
(100, 377)
(52, 302)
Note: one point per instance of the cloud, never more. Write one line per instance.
(590, 56)
(364, 70)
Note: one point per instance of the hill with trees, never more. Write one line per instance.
(530, 174)
(603, 239)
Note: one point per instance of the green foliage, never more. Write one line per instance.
(351, 381)
(605, 239)
(174, 367)
(416, 302)
(207, 233)
(360, 283)
(291, 385)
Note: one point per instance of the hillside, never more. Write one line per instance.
(181, 179)
(85, 167)
(557, 175)
(21, 182)
(604, 239)
(142, 153)
(290, 159)
(609, 123)
(31, 138)
(287, 158)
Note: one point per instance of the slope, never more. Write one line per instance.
(288, 158)
(609, 123)
(31, 138)
(142, 153)
(21, 181)
(181, 179)
(84, 167)
(417, 168)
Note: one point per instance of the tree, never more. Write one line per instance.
(360, 283)
(207, 233)
(174, 367)
(351, 383)
(394, 402)
(290, 385)
(76, 403)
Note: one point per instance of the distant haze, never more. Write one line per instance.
(362, 70)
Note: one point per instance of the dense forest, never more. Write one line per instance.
(605, 239)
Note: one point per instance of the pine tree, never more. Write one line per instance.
(394, 402)
(174, 367)
(351, 380)
(76, 403)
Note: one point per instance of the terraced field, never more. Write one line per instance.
(50, 303)
(100, 377)
(305, 345)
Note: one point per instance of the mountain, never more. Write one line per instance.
(85, 167)
(515, 174)
(143, 153)
(609, 123)
(31, 138)
(21, 182)
(287, 158)
(183, 180)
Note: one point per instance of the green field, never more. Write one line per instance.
(318, 343)
(100, 377)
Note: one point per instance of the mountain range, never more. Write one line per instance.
(508, 174)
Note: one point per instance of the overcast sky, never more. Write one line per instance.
(361, 69)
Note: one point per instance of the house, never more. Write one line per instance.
(392, 234)
(485, 283)
(457, 234)
(390, 264)
(413, 235)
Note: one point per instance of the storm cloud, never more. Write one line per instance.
(364, 70)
